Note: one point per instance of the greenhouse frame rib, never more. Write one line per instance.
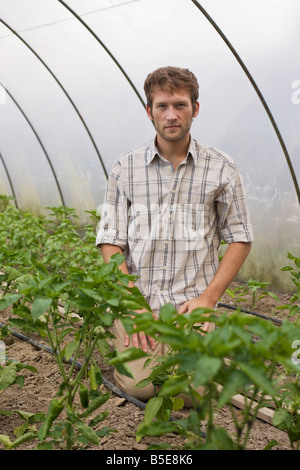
(258, 92)
(40, 142)
(9, 180)
(106, 50)
(63, 89)
(90, 30)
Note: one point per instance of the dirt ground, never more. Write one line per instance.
(123, 416)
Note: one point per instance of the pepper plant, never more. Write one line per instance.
(241, 356)
(74, 314)
(294, 304)
(57, 286)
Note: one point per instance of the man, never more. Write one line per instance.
(168, 204)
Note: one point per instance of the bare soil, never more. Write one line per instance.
(124, 417)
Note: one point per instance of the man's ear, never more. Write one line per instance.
(149, 112)
(197, 107)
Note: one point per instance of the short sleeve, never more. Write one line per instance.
(233, 216)
(114, 212)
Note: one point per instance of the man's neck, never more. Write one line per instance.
(175, 152)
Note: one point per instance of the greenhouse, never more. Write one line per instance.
(72, 100)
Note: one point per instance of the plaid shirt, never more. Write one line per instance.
(169, 222)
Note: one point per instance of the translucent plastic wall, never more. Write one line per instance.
(71, 100)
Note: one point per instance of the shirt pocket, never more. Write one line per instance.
(190, 225)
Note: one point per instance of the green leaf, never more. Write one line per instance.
(206, 368)
(7, 376)
(174, 385)
(178, 403)
(5, 440)
(118, 258)
(167, 312)
(92, 377)
(258, 378)
(8, 300)
(234, 382)
(280, 416)
(127, 356)
(156, 429)
(95, 403)
(40, 305)
(103, 346)
(152, 408)
(271, 444)
(88, 433)
(69, 349)
(24, 414)
(124, 369)
(222, 440)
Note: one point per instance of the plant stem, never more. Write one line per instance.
(84, 367)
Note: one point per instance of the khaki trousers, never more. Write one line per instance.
(128, 384)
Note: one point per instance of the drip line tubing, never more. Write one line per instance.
(265, 317)
(107, 383)
(138, 403)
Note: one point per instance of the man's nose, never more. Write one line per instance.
(171, 114)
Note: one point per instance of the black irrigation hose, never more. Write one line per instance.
(108, 384)
(138, 403)
(265, 317)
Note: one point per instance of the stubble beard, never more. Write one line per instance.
(177, 136)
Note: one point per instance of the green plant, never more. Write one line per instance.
(93, 299)
(256, 289)
(287, 414)
(57, 285)
(9, 374)
(210, 369)
(294, 305)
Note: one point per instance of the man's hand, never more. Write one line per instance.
(200, 302)
(140, 340)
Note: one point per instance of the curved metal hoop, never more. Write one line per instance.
(41, 144)
(9, 180)
(106, 49)
(63, 89)
(257, 90)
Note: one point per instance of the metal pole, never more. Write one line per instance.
(273, 122)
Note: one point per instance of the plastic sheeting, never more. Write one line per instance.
(71, 100)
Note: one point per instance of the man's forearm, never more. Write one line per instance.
(108, 251)
(230, 265)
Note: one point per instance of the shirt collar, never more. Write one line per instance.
(153, 152)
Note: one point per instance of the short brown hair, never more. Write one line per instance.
(171, 79)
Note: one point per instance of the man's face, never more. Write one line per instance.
(172, 114)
